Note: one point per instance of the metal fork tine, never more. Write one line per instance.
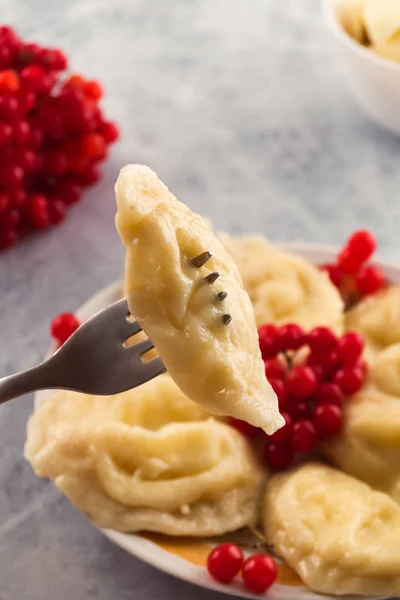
(141, 347)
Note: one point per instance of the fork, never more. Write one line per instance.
(94, 360)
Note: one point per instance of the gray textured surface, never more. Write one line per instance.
(241, 109)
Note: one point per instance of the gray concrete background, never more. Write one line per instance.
(241, 109)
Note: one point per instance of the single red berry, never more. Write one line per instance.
(299, 409)
(301, 382)
(259, 573)
(362, 244)
(10, 219)
(56, 163)
(334, 273)
(93, 146)
(280, 390)
(9, 108)
(90, 176)
(92, 89)
(28, 160)
(8, 238)
(9, 81)
(329, 393)
(326, 362)
(54, 59)
(327, 420)
(30, 53)
(32, 78)
(27, 102)
(110, 132)
(369, 280)
(274, 369)
(267, 339)
(68, 192)
(75, 80)
(63, 326)
(349, 379)
(322, 340)
(36, 138)
(11, 177)
(38, 209)
(22, 132)
(4, 202)
(5, 56)
(245, 428)
(278, 455)
(350, 347)
(304, 436)
(19, 197)
(57, 210)
(348, 263)
(290, 337)
(283, 434)
(361, 364)
(6, 133)
(224, 562)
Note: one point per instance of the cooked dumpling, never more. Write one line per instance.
(337, 533)
(199, 317)
(368, 446)
(377, 318)
(284, 288)
(147, 459)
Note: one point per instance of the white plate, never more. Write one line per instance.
(168, 559)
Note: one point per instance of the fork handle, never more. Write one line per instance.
(37, 378)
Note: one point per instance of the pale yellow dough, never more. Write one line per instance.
(368, 446)
(337, 533)
(377, 318)
(147, 459)
(218, 366)
(284, 288)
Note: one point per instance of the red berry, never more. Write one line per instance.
(369, 280)
(284, 433)
(68, 191)
(8, 238)
(56, 163)
(27, 102)
(9, 108)
(54, 59)
(57, 210)
(93, 146)
(290, 337)
(361, 364)
(10, 219)
(323, 364)
(5, 56)
(75, 80)
(90, 176)
(19, 197)
(9, 81)
(11, 177)
(299, 409)
(36, 138)
(322, 340)
(92, 89)
(28, 160)
(334, 273)
(32, 78)
(274, 369)
(362, 244)
(267, 339)
(5, 133)
(329, 393)
(110, 132)
(348, 262)
(301, 382)
(38, 210)
(349, 380)
(280, 390)
(259, 572)
(327, 420)
(304, 436)
(22, 132)
(350, 347)
(63, 326)
(30, 53)
(224, 562)
(245, 428)
(4, 202)
(278, 455)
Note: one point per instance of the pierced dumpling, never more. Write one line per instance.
(368, 446)
(284, 288)
(208, 343)
(377, 318)
(147, 459)
(336, 532)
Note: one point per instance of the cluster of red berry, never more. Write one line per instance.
(311, 374)
(259, 571)
(351, 274)
(52, 136)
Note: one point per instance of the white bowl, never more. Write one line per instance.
(375, 81)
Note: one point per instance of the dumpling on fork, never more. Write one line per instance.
(188, 296)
